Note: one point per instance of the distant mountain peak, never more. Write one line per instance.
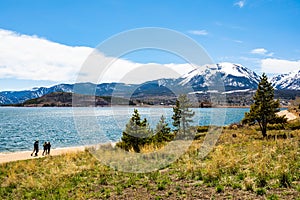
(234, 76)
(290, 81)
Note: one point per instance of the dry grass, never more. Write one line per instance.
(244, 166)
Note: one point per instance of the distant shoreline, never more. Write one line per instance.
(131, 106)
(140, 106)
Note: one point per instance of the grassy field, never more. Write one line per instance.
(241, 166)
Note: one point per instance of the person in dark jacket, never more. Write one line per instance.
(35, 148)
(45, 145)
(48, 148)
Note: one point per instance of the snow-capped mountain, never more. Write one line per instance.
(231, 76)
(290, 81)
(13, 97)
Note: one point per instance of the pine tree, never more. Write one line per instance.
(136, 133)
(183, 115)
(162, 132)
(263, 110)
(176, 116)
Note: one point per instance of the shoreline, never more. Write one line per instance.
(6, 157)
(129, 106)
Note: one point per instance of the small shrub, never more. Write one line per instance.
(161, 186)
(294, 125)
(241, 176)
(261, 181)
(276, 127)
(119, 190)
(235, 126)
(202, 129)
(285, 180)
(236, 186)
(178, 188)
(103, 180)
(249, 184)
(107, 193)
(220, 188)
(197, 175)
(273, 197)
(169, 193)
(298, 188)
(260, 191)
(211, 179)
(153, 176)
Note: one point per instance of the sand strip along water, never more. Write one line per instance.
(24, 155)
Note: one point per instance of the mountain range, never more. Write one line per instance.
(290, 81)
(222, 77)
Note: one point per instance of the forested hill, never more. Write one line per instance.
(64, 99)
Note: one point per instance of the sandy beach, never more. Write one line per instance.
(290, 116)
(25, 155)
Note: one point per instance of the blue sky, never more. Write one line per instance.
(262, 35)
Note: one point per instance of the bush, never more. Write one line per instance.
(202, 129)
(294, 125)
(260, 191)
(261, 181)
(276, 127)
(273, 197)
(219, 188)
(236, 186)
(285, 180)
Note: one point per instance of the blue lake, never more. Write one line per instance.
(65, 127)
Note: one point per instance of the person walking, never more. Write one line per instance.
(35, 148)
(48, 148)
(45, 145)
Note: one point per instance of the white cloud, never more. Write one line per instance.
(262, 51)
(33, 58)
(232, 40)
(238, 41)
(278, 66)
(240, 4)
(198, 32)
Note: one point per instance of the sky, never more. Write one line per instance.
(46, 42)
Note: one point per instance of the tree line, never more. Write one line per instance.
(138, 132)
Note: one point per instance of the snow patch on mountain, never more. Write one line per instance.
(238, 91)
(290, 81)
(233, 75)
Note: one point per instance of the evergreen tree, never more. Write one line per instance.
(183, 115)
(176, 116)
(162, 132)
(136, 133)
(263, 110)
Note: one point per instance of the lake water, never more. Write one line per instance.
(65, 127)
